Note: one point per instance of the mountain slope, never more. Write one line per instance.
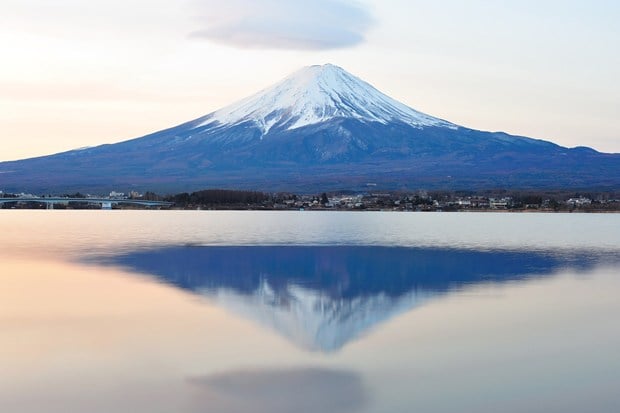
(321, 128)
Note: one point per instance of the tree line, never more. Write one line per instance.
(214, 197)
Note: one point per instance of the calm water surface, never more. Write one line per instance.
(180, 311)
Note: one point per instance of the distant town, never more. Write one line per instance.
(221, 199)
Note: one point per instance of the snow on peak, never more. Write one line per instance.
(315, 94)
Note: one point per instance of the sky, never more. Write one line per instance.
(77, 73)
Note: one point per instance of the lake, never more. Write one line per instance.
(237, 311)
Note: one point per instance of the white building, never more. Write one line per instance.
(579, 201)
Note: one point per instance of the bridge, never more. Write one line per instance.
(106, 203)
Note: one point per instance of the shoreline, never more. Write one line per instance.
(335, 210)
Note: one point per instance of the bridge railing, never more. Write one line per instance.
(106, 203)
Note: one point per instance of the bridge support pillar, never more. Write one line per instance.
(106, 205)
(50, 205)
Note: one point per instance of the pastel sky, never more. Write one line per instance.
(77, 73)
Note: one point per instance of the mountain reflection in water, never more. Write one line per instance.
(322, 297)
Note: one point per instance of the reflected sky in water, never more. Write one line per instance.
(154, 311)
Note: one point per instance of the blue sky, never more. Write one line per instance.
(78, 73)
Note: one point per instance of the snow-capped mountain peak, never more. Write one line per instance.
(316, 94)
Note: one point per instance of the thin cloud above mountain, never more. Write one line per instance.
(278, 24)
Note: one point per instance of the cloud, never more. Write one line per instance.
(284, 24)
(301, 390)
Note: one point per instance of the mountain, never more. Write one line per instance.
(314, 95)
(320, 128)
(323, 297)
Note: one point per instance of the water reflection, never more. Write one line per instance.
(302, 390)
(322, 297)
